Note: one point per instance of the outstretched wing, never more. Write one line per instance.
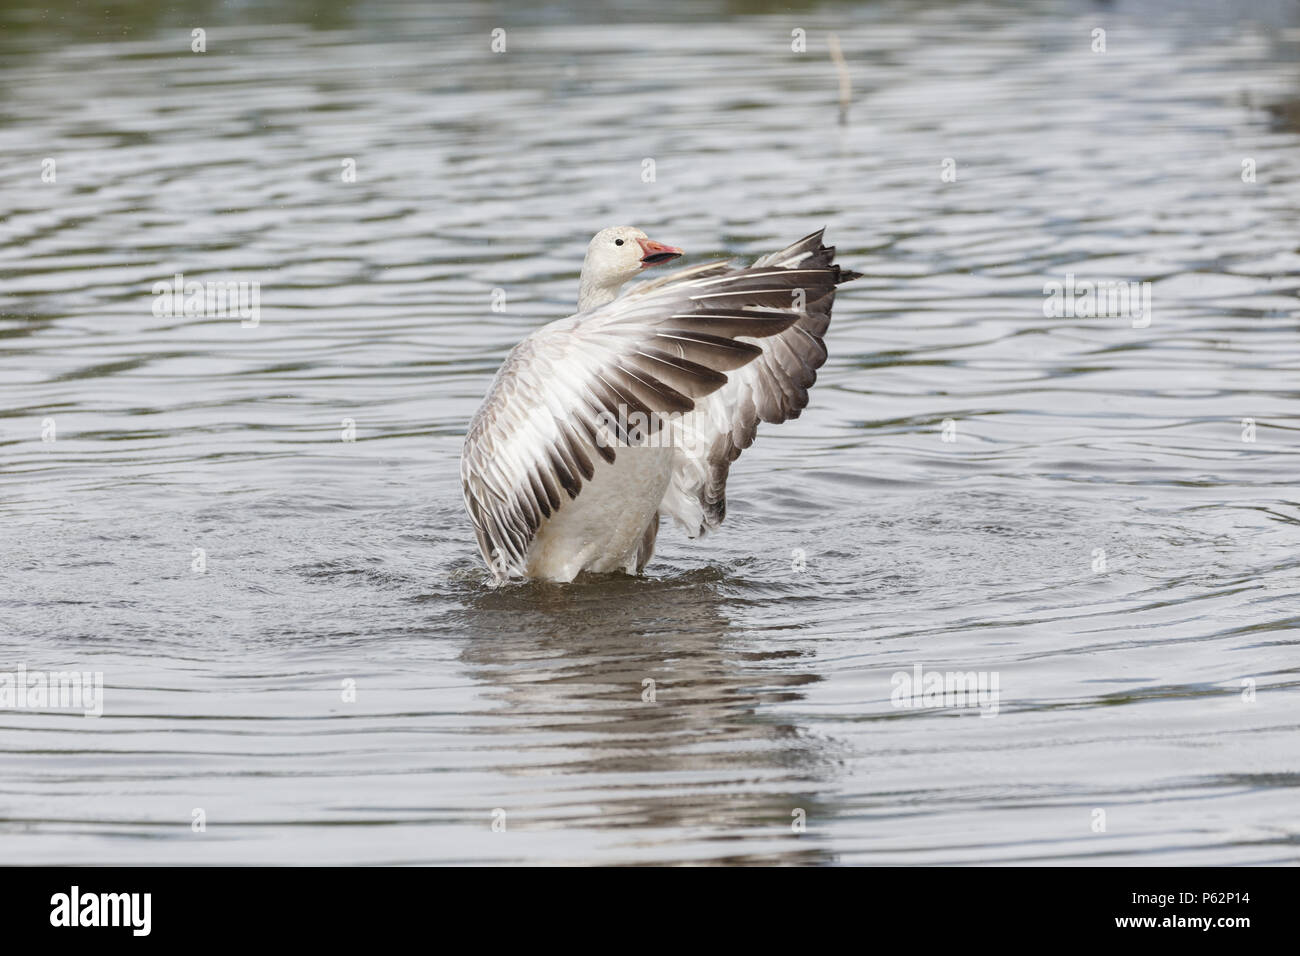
(661, 348)
(772, 388)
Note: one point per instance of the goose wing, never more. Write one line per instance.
(772, 388)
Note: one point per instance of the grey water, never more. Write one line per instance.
(302, 658)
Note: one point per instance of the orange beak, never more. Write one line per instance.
(656, 252)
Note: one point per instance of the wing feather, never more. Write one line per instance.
(772, 388)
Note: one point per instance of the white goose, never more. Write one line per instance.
(637, 405)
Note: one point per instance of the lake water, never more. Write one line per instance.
(295, 632)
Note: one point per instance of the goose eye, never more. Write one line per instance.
(618, 242)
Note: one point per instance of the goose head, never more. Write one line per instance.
(614, 256)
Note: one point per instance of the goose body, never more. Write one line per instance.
(615, 527)
(635, 407)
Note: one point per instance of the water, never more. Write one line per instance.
(1124, 691)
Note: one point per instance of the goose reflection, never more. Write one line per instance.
(655, 712)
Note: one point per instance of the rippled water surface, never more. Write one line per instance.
(1158, 691)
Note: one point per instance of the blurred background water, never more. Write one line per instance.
(1124, 690)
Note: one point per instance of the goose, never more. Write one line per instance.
(635, 406)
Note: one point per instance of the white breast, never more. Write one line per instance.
(602, 529)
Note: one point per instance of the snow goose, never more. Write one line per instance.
(637, 405)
